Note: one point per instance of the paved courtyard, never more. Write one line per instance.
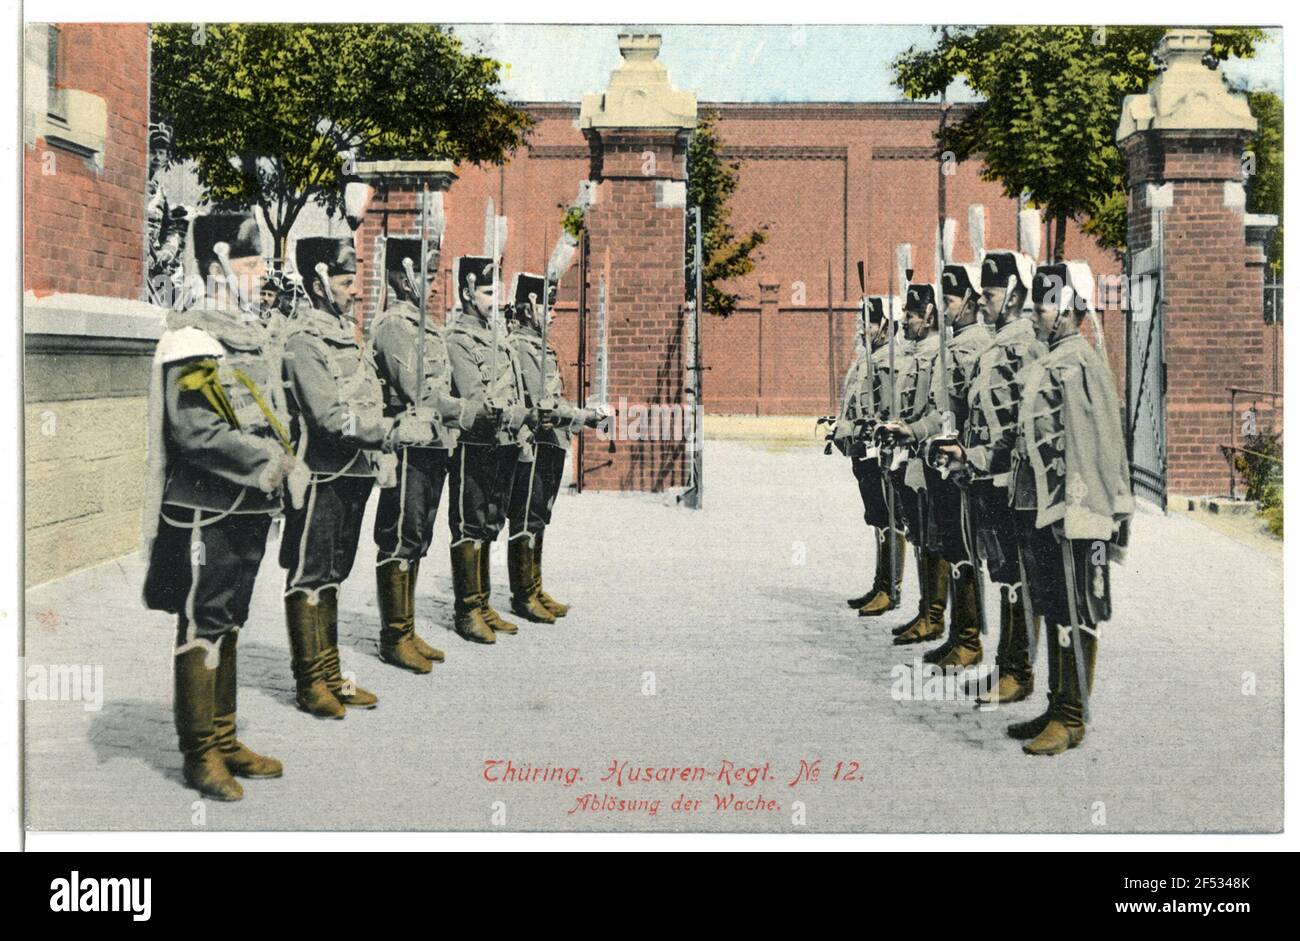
(714, 640)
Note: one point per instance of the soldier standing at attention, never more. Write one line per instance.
(539, 468)
(405, 516)
(217, 456)
(339, 425)
(915, 371)
(483, 371)
(1073, 499)
(867, 393)
(944, 416)
(994, 410)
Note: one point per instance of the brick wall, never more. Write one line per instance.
(833, 183)
(88, 338)
(1214, 332)
(84, 226)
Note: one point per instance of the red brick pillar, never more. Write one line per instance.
(394, 212)
(768, 380)
(1183, 142)
(638, 131)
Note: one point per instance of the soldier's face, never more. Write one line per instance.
(345, 289)
(481, 298)
(250, 274)
(918, 323)
(994, 298)
(1046, 318)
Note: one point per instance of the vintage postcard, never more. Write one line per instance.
(635, 428)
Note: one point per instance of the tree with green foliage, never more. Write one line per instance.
(273, 114)
(710, 181)
(1264, 179)
(1052, 97)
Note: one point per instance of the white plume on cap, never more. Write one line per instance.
(489, 221)
(356, 197)
(975, 222)
(503, 229)
(1031, 232)
(437, 219)
(903, 258)
(1082, 284)
(949, 240)
(561, 257)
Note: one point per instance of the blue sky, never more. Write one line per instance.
(747, 63)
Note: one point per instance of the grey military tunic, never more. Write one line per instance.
(946, 532)
(483, 465)
(339, 428)
(222, 421)
(540, 469)
(405, 516)
(989, 438)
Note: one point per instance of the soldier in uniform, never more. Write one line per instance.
(994, 399)
(539, 468)
(867, 392)
(484, 371)
(218, 451)
(1072, 496)
(339, 424)
(405, 516)
(947, 536)
(914, 370)
(167, 226)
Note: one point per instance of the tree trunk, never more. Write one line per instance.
(1058, 246)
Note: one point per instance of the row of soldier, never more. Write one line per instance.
(987, 432)
(258, 412)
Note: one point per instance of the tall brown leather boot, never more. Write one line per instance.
(310, 661)
(499, 624)
(967, 648)
(396, 643)
(193, 705)
(862, 599)
(428, 651)
(523, 587)
(935, 595)
(1065, 727)
(558, 608)
(469, 622)
(346, 691)
(239, 758)
(923, 602)
(880, 600)
(1015, 675)
(1032, 728)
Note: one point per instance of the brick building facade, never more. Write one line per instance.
(88, 335)
(833, 183)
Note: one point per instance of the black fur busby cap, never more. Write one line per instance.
(1060, 287)
(1066, 286)
(999, 267)
(237, 229)
(337, 254)
(875, 309)
(474, 271)
(919, 297)
(160, 135)
(960, 280)
(397, 250)
(527, 289)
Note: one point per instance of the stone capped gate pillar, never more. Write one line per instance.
(638, 130)
(1183, 142)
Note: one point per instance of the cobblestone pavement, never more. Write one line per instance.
(715, 639)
